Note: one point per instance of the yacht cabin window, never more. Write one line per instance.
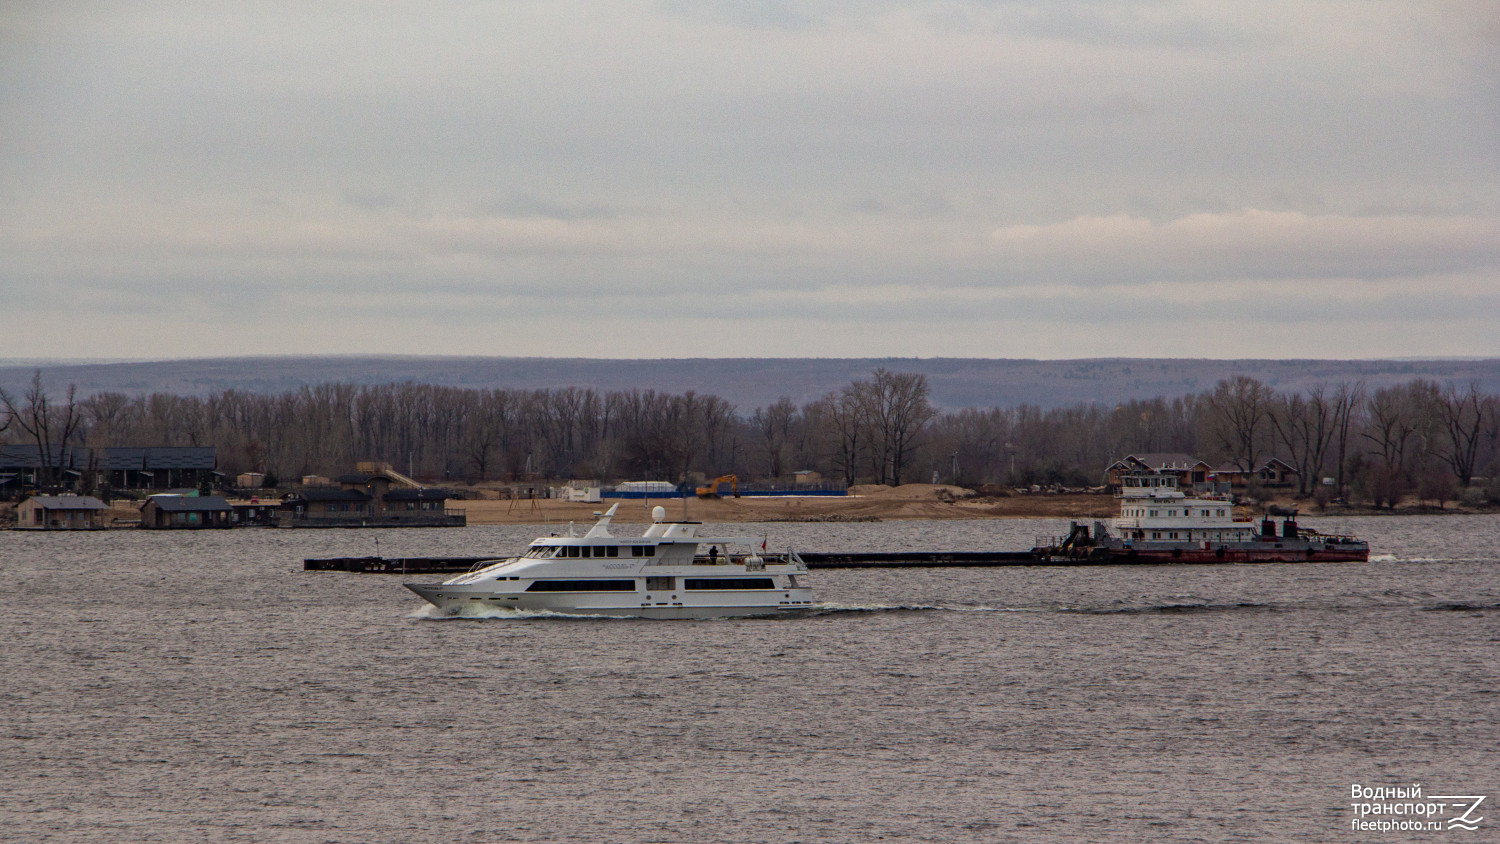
(703, 583)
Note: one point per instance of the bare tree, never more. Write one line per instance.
(1400, 427)
(774, 425)
(845, 412)
(1239, 413)
(485, 427)
(813, 444)
(1305, 428)
(904, 416)
(1391, 425)
(50, 428)
(1463, 418)
(1348, 402)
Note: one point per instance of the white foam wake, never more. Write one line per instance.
(432, 613)
(833, 607)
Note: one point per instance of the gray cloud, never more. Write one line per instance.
(844, 178)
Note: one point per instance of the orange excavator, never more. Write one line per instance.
(712, 490)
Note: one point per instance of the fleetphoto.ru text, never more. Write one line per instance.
(1404, 808)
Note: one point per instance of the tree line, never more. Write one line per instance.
(1418, 439)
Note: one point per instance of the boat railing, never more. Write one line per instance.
(484, 564)
(748, 560)
(1338, 538)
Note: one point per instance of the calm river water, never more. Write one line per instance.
(201, 687)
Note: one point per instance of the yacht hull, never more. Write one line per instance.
(456, 601)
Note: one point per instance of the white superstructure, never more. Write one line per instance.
(661, 574)
(1153, 507)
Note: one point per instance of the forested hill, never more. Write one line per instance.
(753, 382)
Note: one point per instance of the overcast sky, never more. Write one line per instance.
(750, 179)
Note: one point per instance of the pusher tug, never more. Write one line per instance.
(1159, 523)
(661, 574)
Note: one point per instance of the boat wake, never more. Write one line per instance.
(1392, 558)
(432, 613)
(1461, 606)
(1173, 608)
(834, 608)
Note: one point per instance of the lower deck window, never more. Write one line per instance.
(729, 583)
(582, 586)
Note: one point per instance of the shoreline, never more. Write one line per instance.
(912, 502)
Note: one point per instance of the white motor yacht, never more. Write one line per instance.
(667, 572)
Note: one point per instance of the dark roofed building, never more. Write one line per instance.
(368, 500)
(24, 462)
(255, 513)
(1273, 473)
(153, 467)
(425, 506)
(325, 495)
(324, 506)
(163, 512)
(61, 512)
(157, 467)
(1189, 470)
(423, 494)
(425, 500)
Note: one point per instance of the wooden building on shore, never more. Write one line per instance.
(370, 499)
(186, 512)
(62, 512)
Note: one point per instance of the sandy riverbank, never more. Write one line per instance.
(869, 503)
(910, 501)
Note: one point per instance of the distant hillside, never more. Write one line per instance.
(750, 383)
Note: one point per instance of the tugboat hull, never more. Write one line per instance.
(1242, 554)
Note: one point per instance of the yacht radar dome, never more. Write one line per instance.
(658, 513)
